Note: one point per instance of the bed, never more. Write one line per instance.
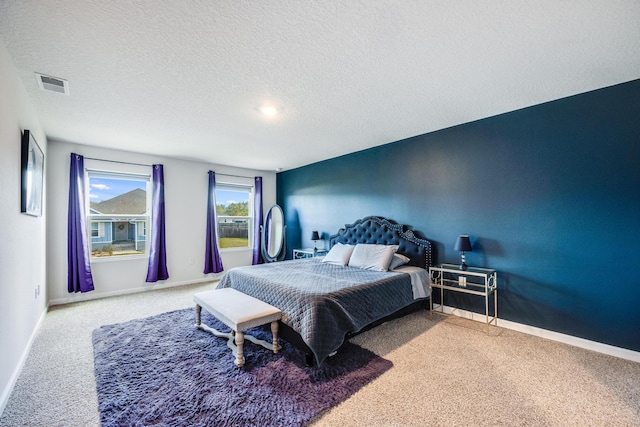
(324, 302)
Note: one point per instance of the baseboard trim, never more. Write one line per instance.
(6, 393)
(610, 350)
(98, 295)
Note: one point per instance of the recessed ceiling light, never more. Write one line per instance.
(269, 110)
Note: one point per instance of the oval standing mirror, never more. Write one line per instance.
(273, 235)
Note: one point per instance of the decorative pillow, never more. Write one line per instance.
(339, 254)
(372, 257)
(397, 261)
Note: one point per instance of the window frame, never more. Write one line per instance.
(249, 188)
(100, 230)
(92, 172)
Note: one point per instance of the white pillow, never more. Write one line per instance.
(372, 257)
(339, 254)
(397, 261)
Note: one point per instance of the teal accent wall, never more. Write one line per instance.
(550, 196)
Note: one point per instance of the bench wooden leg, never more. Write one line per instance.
(274, 332)
(198, 315)
(240, 346)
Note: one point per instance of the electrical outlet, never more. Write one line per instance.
(462, 281)
(36, 292)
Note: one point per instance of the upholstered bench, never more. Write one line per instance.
(238, 311)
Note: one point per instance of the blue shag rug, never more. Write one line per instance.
(162, 371)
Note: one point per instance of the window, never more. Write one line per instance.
(118, 213)
(97, 229)
(234, 210)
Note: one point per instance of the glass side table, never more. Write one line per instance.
(474, 280)
(308, 253)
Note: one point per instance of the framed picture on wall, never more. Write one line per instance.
(32, 175)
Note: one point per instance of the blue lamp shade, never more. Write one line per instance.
(463, 244)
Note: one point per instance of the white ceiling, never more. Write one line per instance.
(186, 78)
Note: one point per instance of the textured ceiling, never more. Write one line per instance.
(186, 78)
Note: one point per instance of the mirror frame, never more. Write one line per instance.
(282, 251)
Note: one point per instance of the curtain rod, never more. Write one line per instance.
(234, 176)
(117, 161)
(142, 164)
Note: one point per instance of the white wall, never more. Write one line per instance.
(22, 237)
(186, 185)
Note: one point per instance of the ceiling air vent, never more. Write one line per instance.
(53, 84)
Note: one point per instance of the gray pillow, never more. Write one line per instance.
(397, 261)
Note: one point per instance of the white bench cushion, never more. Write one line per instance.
(237, 310)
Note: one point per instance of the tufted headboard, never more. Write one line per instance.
(377, 230)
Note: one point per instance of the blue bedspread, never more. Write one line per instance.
(323, 302)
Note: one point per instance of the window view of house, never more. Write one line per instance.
(234, 212)
(118, 214)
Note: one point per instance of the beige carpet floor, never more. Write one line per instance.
(447, 372)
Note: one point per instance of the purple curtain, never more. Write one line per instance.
(158, 248)
(78, 259)
(212, 260)
(257, 221)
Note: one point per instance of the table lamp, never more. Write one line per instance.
(315, 237)
(463, 244)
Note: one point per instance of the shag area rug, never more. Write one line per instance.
(161, 370)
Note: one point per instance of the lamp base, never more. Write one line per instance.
(463, 265)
